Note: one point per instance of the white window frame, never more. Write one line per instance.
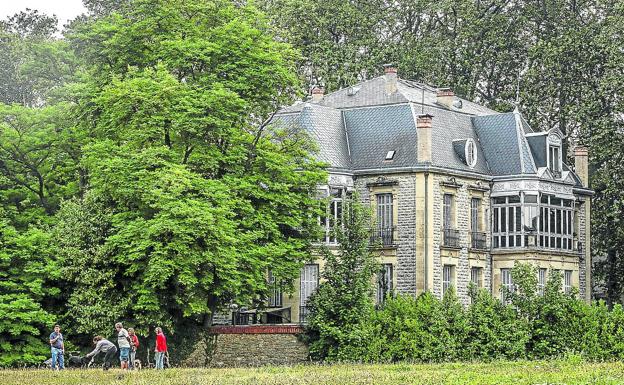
(567, 281)
(447, 278)
(476, 276)
(506, 282)
(309, 281)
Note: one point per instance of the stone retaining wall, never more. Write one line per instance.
(257, 345)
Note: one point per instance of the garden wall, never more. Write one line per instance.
(250, 345)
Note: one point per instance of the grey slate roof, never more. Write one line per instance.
(325, 126)
(373, 132)
(355, 128)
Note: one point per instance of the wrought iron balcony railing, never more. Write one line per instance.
(451, 237)
(478, 240)
(383, 235)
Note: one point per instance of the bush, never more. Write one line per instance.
(426, 329)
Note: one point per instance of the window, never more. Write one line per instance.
(447, 278)
(390, 155)
(333, 216)
(309, 284)
(475, 276)
(507, 222)
(471, 153)
(546, 222)
(554, 159)
(384, 283)
(385, 219)
(448, 207)
(567, 281)
(275, 291)
(478, 237)
(556, 219)
(541, 281)
(506, 284)
(451, 236)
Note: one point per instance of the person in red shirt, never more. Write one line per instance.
(161, 348)
(134, 345)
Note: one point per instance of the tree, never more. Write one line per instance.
(203, 194)
(344, 296)
(27, 273)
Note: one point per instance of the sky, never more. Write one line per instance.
(63, 9)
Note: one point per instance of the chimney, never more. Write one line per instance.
(317, 94)
(390, 71)
(581, 164)
(445, 97)
(423, 131)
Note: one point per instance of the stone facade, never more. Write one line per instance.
(403, 188)
(462, 258)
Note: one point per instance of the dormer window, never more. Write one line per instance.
(554, 155)
(553, 159)
(471, 153)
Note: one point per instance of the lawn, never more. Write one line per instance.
(522, 372)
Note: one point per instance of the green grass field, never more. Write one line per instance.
(523, 372)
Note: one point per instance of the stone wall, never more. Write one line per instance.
(403, 186)
(462, 257)
(258, 345)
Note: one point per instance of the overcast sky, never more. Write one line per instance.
(63, 9)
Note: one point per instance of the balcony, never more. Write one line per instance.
(477, 240)
(451, 237)
(383, 236)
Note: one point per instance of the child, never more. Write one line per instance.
(134, 345)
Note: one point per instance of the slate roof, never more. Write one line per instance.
(355, 128)
(373, 132)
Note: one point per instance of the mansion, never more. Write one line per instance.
(460, 193)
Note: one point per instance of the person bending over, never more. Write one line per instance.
(102, 345)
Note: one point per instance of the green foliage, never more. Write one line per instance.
(344, 295)
(199, 195)
(427, 329)
(26, 272)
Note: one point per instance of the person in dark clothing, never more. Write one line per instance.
(102, 345)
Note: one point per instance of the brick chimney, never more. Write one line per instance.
(390, 71)
(581, 164)
(423, 131)
(317, 93)
(445, 97)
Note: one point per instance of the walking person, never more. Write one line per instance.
(161, 348)
(134, 345)
(57, 347)
(104, 346)
(123, 340)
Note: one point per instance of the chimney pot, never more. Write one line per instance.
(317, 93)
(424, 121)
(390, 71)
(423, 132)
(581, 164)
(445, 97)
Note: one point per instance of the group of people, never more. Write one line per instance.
(127, 341)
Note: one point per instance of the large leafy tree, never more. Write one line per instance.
(203, 196)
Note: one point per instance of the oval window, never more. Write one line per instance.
(471, 153)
